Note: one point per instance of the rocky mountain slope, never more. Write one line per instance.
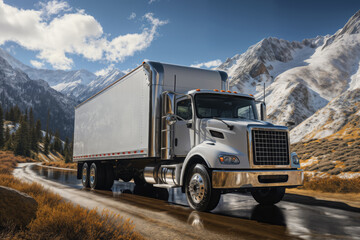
(336, 115)
(18, 88)
(301, 77)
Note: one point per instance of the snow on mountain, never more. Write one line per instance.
(100, 82)
(301, 77)
(330, 119)
(18, 89)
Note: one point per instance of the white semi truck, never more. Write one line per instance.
(175, 126)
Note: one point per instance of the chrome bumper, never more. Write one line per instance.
(257, 178)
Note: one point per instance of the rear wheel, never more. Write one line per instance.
(199, 192)
(268, 196)
(85, 175)
(96, 178)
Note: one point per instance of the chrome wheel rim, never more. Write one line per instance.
(84, 175)
(92, 176)
(197, 188)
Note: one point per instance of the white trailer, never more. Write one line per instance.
(175, 126)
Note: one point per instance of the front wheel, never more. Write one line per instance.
(199, 192)
(268, 196)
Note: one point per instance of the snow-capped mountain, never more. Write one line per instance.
(301, 77)
(18, 88)
(77, 84)
(67, 82)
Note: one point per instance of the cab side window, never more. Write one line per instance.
(184, 110)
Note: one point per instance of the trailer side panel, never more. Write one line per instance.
(115, 123)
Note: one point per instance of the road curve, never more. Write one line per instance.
(164, 214)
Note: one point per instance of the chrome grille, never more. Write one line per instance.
(270, 147)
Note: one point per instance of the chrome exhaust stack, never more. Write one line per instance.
(165, 175)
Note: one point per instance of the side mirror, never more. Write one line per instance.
(171, 119)
(263, 115)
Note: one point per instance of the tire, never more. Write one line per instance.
(199, 192)
(268, 196)
(85, 175)
(96, 176)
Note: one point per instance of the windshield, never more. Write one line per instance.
(225, 106)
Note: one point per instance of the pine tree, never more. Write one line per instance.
(11, 114)
(47, 137)
(22, 147)
(7, 134)
(7, 115)
(32, 130)
(57, 142)
(9, 144)
(38, 131)
(67, 150)
(17, 114)
(2, 141)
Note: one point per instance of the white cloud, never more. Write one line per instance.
(151, 1)
(71, 32)
(54, 7)
(36, 64)
(132, 16)
(210, 64)
(104, 71)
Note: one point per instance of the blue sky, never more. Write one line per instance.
(97, 35)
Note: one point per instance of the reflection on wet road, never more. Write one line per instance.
(237, 215)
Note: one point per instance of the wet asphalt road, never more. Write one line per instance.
(164, 214)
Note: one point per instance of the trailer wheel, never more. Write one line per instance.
(199, 192)
(96, 176)
(268, 196)
(85, 175)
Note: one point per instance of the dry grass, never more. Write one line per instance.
(344, 152)
(332, 184)
(61, 164)
(57, 219)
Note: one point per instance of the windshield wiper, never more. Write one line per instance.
(231, 127)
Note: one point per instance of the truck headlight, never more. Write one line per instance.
(228, 159)
(295, 158)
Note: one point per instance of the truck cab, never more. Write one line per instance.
(224, 146)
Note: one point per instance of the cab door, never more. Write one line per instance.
(183, 128)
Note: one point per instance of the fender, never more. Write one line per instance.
(209, 151)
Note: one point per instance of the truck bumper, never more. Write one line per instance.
(256, 178)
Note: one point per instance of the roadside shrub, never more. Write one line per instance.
(335, 171)
(332, 184)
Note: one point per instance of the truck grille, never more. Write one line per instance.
(270, 147)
